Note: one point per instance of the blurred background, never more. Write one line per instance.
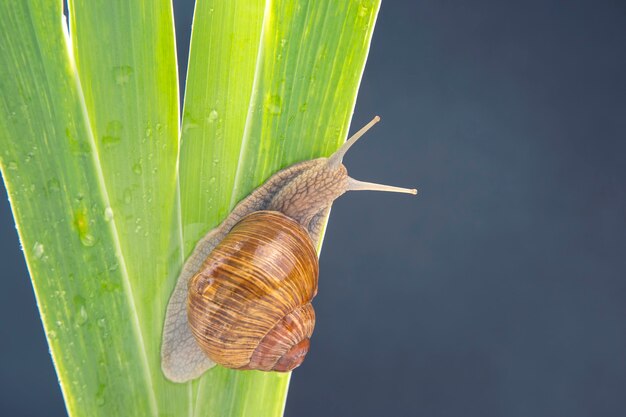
(500, 290)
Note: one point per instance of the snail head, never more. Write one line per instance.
(315, 189)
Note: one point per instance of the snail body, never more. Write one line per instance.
(243, 298)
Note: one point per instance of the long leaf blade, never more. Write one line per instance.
(131, 94)
(62, 211)
(279, 91)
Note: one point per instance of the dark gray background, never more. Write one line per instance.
(501, 289)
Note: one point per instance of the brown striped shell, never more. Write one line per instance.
(249, 305)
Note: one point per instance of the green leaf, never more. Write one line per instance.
(280, 90)
(127, 69)
(51, 167)
(89, 154)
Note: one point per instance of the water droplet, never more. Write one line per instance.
(138, 226)
(82, 315)
(213, 115)
(77, 146)
(81, 310)
(81, 221)
(303, 107)
(102, 323)
(122, 74)
(38, 250)
(53, 185)
(216, 161)
(100, 398)
(127, 196)
(108, 140)
(159, 128)
(283, 42)
(363, 9)
(113, 133)
(109, 287)
(52, 335)
(12, 165)
(59, 294)
(29, 156)
(188, 125)
(148, 131)
(137, 168)
(88, 239)
(273, 104)
(189, 122)
(108, 214)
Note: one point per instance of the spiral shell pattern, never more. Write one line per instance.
(249, 306)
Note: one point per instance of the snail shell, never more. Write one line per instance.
(249, 306)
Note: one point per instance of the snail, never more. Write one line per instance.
(243, 298)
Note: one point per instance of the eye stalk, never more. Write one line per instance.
(335, 160)
(356, 185)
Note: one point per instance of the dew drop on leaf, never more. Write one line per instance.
(82, 315)
(137, 168)
(81, 221)
(102, 323)
(53, 185)
(81, 310)
(189, 123)
(108, 214)
(122, 74)
(138, 226)
(213, 115)
(100, 399)
(113, 133)
(273, 104)
(363, 9)
(38, 250)
(127, 196)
